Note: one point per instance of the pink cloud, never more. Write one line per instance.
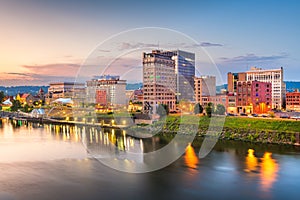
(56, 69)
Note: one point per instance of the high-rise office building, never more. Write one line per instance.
(185, 72)
(159, 80)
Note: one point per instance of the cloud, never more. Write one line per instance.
(253, 58)
(55, 69)
(41, 74)
(209, 44)
(15, 79)
(127, 45)
(58, 72)
(18, 74)
(244, 62)
(103, 50)
(202, 44)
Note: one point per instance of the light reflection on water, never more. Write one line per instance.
(269, 170)
(251, 161)
(35, 142)
(54, 157)
(267, 167)
(190, 157)
(26, 143)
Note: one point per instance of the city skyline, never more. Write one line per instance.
(48, 41)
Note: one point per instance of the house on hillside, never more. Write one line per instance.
(25, 98)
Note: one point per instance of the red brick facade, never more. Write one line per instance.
(254, 97)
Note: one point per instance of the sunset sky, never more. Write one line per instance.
(44, 41)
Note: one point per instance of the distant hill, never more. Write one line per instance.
(14, 90)
(134, 86)
(220, 87)
(292, 85)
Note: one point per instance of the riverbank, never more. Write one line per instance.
(243, 129)
(257, 130)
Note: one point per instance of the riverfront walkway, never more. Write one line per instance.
(25, 117)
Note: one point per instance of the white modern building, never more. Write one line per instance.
(274, 76)
(106, 90)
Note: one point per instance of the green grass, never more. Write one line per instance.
(242, 123)
(263, 124)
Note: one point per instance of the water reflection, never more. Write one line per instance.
(32, 142)
(101, 142)
(219, 175)
(59, 140)
(190, 158)
(269, 171)
(251, 161)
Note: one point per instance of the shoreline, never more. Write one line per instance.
(249, 134)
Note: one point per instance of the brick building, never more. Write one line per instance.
(293, 101)
(254, 97)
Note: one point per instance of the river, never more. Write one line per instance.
(54, 162)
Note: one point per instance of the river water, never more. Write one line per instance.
(52, 162)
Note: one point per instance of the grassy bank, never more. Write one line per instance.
(288, 126)
(237, 128)
(239, 123)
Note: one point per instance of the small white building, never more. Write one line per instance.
(38, 113)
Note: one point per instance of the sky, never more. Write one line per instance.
(48, 41)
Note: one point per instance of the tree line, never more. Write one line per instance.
(210, 109)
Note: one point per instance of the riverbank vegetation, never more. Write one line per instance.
(233, 128)
(235, 123)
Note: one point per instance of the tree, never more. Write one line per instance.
(162, 110)
(220, 110)
(15, 105)
(26, 108)
(198, 108)
(209, 109)
(1, 96)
